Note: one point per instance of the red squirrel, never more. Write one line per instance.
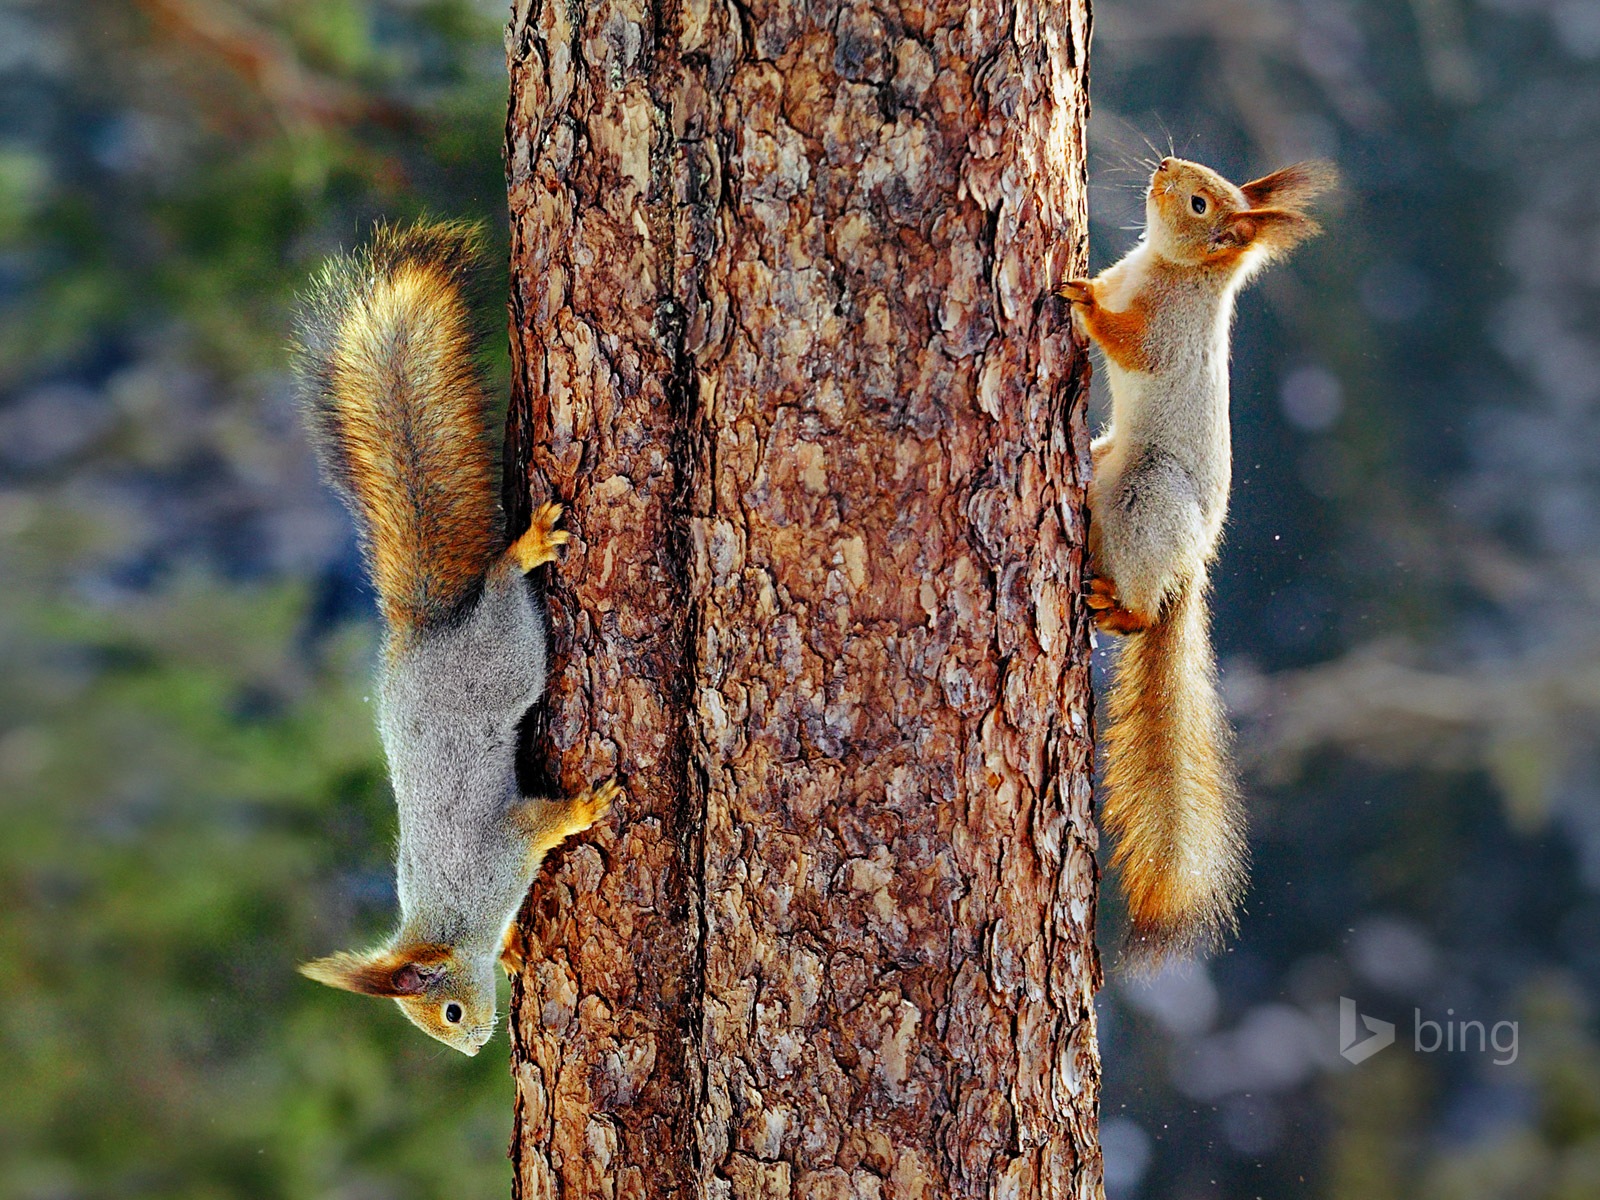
(1157, 502)
(395, 409)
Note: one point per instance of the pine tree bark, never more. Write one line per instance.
(782, 343)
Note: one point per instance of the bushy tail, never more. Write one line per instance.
(392, 396)
(1171, 800)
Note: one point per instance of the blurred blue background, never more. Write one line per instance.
(192, 792)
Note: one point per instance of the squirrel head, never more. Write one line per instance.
(442, 992)
(1195, 216)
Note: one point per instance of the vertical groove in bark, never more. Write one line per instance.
(779, 339)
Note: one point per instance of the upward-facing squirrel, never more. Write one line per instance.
(393, 401)
(1157, 501)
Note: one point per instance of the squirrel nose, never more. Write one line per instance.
(1164, 164)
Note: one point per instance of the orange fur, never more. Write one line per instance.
(540, 541)
(1277, 231)
(1172, 803)
(387, 972)
(1121, 335)
(551, 822)
(1267, 214)
(1121, 621)
(1109, 614)
(428, 549)
(512, 957)
(395, 400)
(1291, 187)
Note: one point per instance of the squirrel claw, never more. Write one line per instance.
(541, 540)
(596, 805)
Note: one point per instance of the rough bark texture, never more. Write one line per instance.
(781, 343)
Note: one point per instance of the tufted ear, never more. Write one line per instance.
(1293, 187)
(406, 971)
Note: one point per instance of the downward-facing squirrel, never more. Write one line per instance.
(395, 408)
(1161, 318)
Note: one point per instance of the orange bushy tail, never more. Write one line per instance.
(1171, 800)
(392, 396)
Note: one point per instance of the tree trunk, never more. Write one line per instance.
(782, 343)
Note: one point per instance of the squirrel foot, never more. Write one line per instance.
(551, 822)
(589, 807)
(1102, 593)
(512, 960)
(1106, 609)
(1121, 621)
(1077, 291)
(541, 540)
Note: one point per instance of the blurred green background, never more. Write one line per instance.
(191, 789)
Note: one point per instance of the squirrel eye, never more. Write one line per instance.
(452, 1013)
(1198, 203)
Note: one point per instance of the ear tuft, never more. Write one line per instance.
(379, 972)
(370, 974)
(1293, 187)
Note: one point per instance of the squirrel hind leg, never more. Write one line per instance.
(540, 541)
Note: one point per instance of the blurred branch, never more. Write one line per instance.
(268, 66)
(1514, 718)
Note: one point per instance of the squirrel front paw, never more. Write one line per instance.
(1077, 291)
(542, 539)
